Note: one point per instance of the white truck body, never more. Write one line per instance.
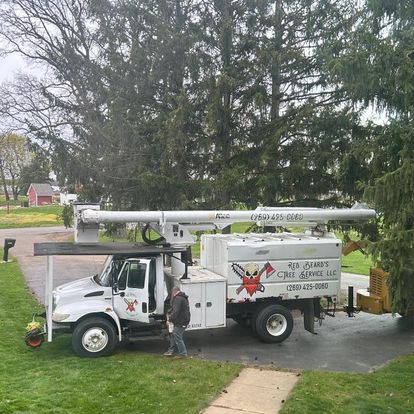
(288, 265)
(240, 274)
(255, 279)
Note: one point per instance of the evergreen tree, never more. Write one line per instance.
(275, 126)
(171, 104)
(378, 70)
(393, 162)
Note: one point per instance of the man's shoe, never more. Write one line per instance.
(179, 356)
(168, 353)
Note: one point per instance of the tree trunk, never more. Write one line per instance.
(178, 70)
(274, 138)
(224, 134)
(278, 33)
(15, 192)
(14, 187)
(177, 87)
(4, 182)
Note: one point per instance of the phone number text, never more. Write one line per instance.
(307, 286)
(276, 217)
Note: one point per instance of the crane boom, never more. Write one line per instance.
(278, 216)
(175, 226)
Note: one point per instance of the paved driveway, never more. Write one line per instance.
(66, 268)
(343, 344)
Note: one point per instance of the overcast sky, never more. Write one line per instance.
(9, 66)
(12, 64)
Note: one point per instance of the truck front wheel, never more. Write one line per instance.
(94, 337)
(273, 323)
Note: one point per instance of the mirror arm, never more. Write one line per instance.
(115, 290)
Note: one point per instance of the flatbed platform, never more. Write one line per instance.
(72, 249)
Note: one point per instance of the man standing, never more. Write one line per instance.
(180, 317)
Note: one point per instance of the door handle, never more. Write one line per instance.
(144, 307)
(209, 304)
(198, 305)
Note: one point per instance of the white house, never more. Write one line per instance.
(66, 198)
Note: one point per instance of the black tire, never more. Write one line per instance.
(272, 324)
(94, 337)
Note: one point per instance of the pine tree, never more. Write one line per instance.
(378, 70)
(391, 190)
(171, 104)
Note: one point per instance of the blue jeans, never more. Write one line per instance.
(177, 342)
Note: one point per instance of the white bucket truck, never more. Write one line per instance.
(255, 279)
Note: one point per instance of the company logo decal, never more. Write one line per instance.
(131, 305)
(251, 275)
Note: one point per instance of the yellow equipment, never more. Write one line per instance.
(376, 299)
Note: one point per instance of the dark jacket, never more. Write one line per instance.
(180, 310)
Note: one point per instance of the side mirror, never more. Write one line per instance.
(115, 290)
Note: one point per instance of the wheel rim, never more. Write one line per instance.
(276, 325)
(95, 339)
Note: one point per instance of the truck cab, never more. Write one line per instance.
(123, 300)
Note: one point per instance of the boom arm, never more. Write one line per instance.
(175, 226)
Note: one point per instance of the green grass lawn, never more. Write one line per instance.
(388, 390)
(4, 202)
(30, 217)
(51, 379)
(356, 262)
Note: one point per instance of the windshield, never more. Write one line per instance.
(110, 271)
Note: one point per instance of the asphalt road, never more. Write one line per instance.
(358, 344)
(66, 268)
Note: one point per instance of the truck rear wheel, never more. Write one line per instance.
(273, 324)
(94, 337)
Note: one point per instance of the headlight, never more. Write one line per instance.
(59, 317)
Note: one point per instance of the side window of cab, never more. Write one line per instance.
(136, 276)
(122, 279)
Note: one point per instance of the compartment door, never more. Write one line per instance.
(194, 292)
(215, 304)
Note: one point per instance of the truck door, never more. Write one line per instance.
(131, 301)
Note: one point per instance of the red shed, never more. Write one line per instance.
(40, 194)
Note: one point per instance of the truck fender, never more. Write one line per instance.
(81, 310)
